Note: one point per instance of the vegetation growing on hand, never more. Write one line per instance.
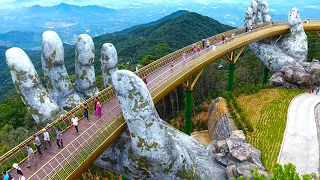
(287, 171)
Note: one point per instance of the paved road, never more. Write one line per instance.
(300, 144)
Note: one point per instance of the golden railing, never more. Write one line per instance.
(18, 155)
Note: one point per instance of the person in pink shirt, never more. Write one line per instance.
(98, 106)
(198, 49)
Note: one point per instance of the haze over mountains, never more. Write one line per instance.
(71, 20)
(176, 30)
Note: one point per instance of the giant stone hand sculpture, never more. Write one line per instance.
(47, 104)
(293, 48)
(151, 148)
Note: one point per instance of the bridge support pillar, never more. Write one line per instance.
(189, 86)
(265, 75)
(232, 67)
(188, 111)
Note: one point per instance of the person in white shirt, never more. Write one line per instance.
(46, 138)
(30, 156)
(208, 43)
(21, 177)
(74, 121)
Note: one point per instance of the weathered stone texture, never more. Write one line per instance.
(151, 148)
(55, 74)
(298, 75)
(86, 80)
(219, 126)
(293, 48)
(27, 82)
(109, 60)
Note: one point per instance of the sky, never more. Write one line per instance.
(119, 4)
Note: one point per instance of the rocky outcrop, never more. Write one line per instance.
(219, 125)
(298, 75)
(86, 80)
(27, 82)
(230, 147)
(151, 148)
(55, 74)
(293, 48)
(109, 60)
(238, 156)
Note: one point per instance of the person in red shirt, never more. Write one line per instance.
(222, 38)
(199, 49)
(214, 40)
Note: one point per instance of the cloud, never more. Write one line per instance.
(312, 7)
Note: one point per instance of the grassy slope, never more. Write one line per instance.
(267, 111)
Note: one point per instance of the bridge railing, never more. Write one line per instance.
(18, 154)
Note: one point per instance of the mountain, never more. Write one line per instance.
(70, 20)
(25, 40)
(176, 30)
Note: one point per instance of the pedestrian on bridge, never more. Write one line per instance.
(21, 177)
(46, 138)
(59, 138)
(95, 104)
(317, 90)
(223, 38)
(171, 65)
(194, 48)
(203, 43)
(198, 49)
(144, 78)
(38, 144)
(233, 35)
(214, 40)
(99, 108)
(6, 175)
(251, 27)
(30, 156)
(74, 121)
(246, 28)
(85, 111)
(208, 43)
(18, 168)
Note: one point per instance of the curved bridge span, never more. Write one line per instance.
(81, 150)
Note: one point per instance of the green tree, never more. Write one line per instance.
(147, 60)
(161, 50)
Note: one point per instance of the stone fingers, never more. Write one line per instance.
(84, 58)
(57, 79)
(109, 60)
(27, 82)
(139, 112)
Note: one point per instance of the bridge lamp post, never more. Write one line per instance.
(188, 87)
